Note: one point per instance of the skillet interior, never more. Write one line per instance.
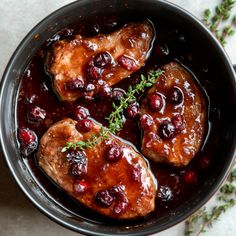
(224, 82)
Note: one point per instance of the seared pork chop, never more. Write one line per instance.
(173, 117)
(111, 178)
(84, 66)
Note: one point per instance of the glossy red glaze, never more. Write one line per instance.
(38, 90)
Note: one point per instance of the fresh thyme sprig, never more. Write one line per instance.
(92, 142)
(203, 219)
(222, 14)
(115, 119)
(200, 221)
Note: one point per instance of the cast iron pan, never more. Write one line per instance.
(226, 100)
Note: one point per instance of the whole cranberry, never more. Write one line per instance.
(204, 162)
(36, 114)
(28, 141)
(89, 87)
(162, 50)
(146, 121)
(175, 95)
(190, 177)
(178, 122)
(104, 198)
(128, 63)
(74, 84)
(102, 59)
(155, 102)
(93, 72)
(132, 110)
(118, 93)
(80, 186)
(166, 130)
(81, 113)
(114, 154)
(84, 125)
(165, 194)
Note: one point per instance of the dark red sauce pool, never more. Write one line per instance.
(175, 185)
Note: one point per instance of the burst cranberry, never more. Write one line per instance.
(80, 186)
(178, 122)
(74, 156)
(84, 125)
(155, 102)
(105, 91)
(120, 207)
(37, 114)
(93, 72)
(104, 198)
(28, 141)
(81, 113)
(75, 84)
(118, 93)
(79, 163)
(204, 162)
(146, 121)
(166, 130)
(118, 192)
(79, 169)
(114, 154)
(132, 110)
(102, 59)
(128, 63)
(175, 95)
(190, 177)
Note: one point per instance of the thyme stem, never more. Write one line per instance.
(203, 219)
(115, 119)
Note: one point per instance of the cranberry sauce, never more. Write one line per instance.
(39, 107)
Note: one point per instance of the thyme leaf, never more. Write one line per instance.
(115, 119)
(203, 219)
(200, 221)
(221, 15)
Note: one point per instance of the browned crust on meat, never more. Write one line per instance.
(69, 58)
(181, 149)
(131, 171)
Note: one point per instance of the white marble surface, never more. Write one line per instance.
(17, 216)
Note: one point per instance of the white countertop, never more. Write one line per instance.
(17, 216)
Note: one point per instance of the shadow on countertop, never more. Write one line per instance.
(18, 216)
